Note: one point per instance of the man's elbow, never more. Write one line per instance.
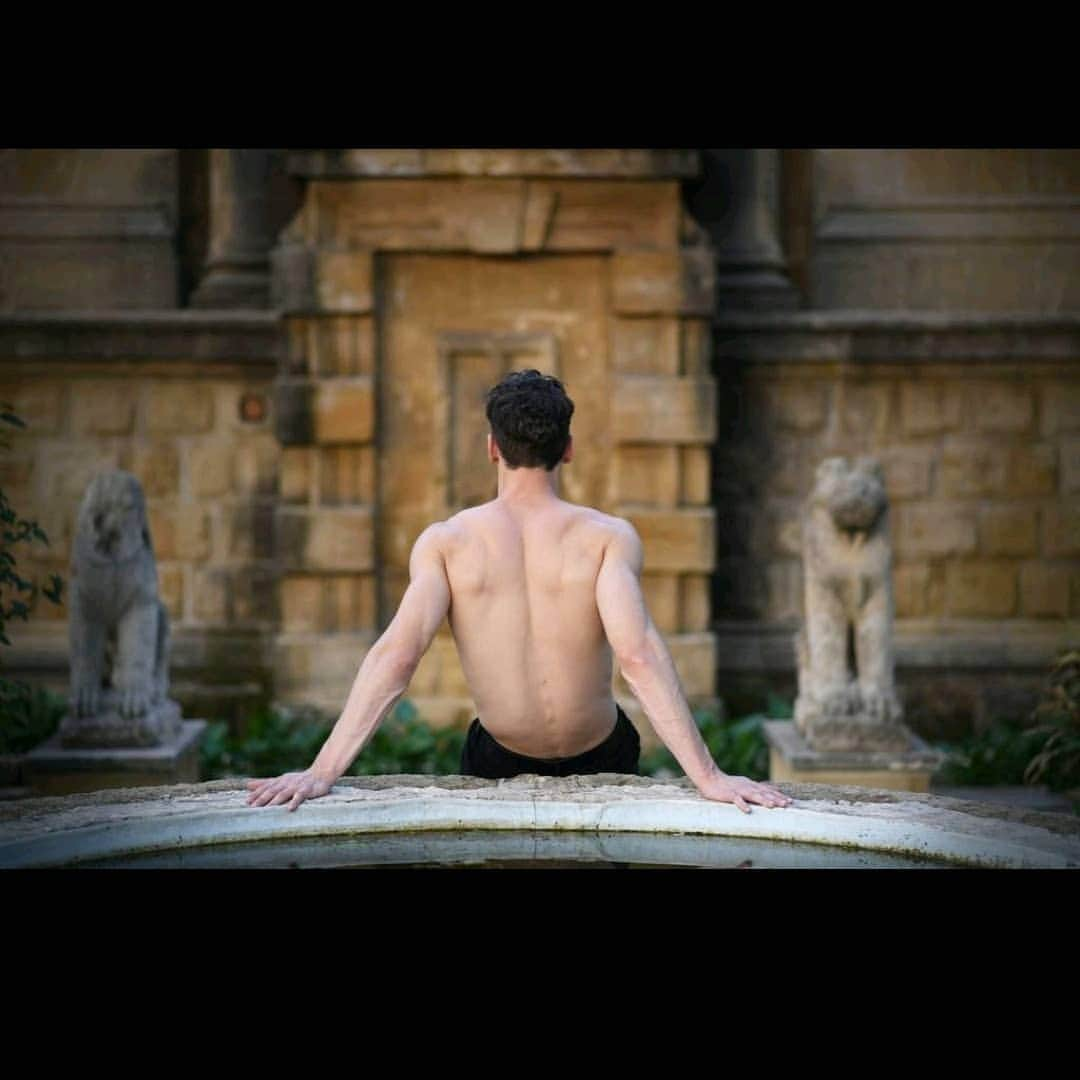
(396, 661)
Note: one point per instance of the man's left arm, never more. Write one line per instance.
(383, 677)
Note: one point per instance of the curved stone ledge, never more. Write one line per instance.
(66, 830)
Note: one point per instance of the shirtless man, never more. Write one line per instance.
(541, 594)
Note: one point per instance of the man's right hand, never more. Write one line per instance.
(292, 788)
(740, 790)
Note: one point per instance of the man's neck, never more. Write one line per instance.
(525, 486)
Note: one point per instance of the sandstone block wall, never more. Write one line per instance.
(980, 472)
(210, 478)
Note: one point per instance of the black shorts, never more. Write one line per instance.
(619, 752)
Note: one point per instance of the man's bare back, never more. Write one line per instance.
(523, 612)
(542, 597)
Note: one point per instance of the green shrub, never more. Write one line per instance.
(998, 755)
(279, 740)
(737, 746)
(1057, 724)
(28, 715)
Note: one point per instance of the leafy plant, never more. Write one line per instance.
(279, 740)
(737, 746)
(1057, 722)
(998, 755)
(15, 530)
(28, 715)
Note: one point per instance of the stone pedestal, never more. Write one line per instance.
(53, 769)
(159, 726)
(791, 758)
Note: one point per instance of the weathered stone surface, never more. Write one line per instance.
(210, 593)
(910, 584)
(645, 346)
(1061, 529)
(971, 467)
(797, 404)
(171, 590)
(1070, 466)
(294, 413)
(694, 602)
(37, 404)
(662, 598)
(209, 468)
(119, 692)
(103, 407)
(695, 346)
(784, 584)
(696, 475)
(156, 465)
(294, 478)
(347, 475)
(865, 410)
(177, 407)
(647, 474)
(649, 408)
(907, 470)
(1030, 469)
(1060, 406)
(847, 560)
(981, 588)
(344, 281)
(38, 832)
(301, 601)
(1044, 589)
(249, 530)
(678, 540)
(1008, 530)
(937, 528)
(326, 539)
(344, 410)
(663, 283)
(927, 408)
(255, 460)
(1003, 407)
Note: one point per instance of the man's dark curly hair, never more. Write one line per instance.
(529, 414)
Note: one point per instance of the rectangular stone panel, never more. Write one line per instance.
(677, 540)
(346, 475)
(344, 281)
(344, 409)
(647, 474)
(645, 346)
(655, 408)
(661, 592)
(663, 283)
(325, 538)
(694, 602)
(696, 475)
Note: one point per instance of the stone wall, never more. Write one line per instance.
(977, 424)
(962, 230)
(199, 437)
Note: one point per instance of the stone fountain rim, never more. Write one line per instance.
(61, 830)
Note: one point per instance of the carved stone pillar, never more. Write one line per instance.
(738, 203)
(238, 263)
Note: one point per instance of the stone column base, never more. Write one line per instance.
(791, 758)
(52, 769)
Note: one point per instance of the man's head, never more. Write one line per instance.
(529, 414)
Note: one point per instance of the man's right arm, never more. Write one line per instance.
(648, 669)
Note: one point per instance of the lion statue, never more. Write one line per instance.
(847, 698)
(119, 629)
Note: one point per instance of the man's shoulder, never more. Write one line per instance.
(608, 526)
